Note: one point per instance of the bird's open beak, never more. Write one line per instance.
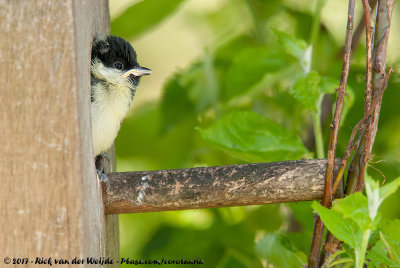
(139, 71)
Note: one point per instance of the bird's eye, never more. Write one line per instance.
(118, 65)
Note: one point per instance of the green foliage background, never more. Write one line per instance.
(250, 95)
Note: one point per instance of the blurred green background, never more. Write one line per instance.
(237, 81)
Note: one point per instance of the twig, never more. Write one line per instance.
(382, 29)
(380, 172)
(372, 128)
(359, 29)
(351, 145)
(354, 167)
(332, 243)
(334, 127)
(368, 37)
(383, 22)
(368, 94)
(356, 173)
(313, 258)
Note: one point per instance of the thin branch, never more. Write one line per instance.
(369, 123)
(362, 124)
(334, 127)
(368, 37)
(372, 128)
(313, 259)
(382, 29)
(331, 242)
(357, 34)
(359, 29)
(368, 95)
(224, 186)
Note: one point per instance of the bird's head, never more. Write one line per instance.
(114, 61)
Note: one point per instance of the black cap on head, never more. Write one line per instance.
(114, 49)
(114, 52)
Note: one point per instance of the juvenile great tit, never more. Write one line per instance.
(115, 75)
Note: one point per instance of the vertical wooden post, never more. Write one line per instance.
(50, 200)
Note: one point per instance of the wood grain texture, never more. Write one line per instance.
(50, 199)
(237, 185)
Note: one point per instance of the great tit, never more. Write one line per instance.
(115, 75)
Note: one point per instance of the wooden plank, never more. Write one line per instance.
(112, 224)
(50, 199)
(224, 186)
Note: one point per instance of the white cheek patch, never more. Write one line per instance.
(109, 74)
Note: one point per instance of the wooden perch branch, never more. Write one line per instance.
(224, 186)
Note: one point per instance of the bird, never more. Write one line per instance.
(115, 75)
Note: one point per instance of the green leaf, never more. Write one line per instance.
(374, 201)
(201, 83)
(250, 66)
(277, 250)
(306, 90)
(376, 195)
(343, 228)
(142, 16)
(187, 94)
(378, 256)
(389, 189)
(252, 137)
(355, 207)
(392, 246)
(295, 47)
(390, 235)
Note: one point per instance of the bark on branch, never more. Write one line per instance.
(223, 186)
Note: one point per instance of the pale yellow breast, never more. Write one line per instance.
(108, 111)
